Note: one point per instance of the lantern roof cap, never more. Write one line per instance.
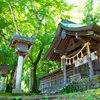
(4, 66)
(19, 38)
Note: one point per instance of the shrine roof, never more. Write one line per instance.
(66, 35)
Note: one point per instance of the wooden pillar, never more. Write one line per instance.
(77, 68)
(50, 81)
(64, 71)
(87, 69)
(43, 83)
(56, 79)
(90, 63)
(73, 69)
(43, 87)
(99, 62)
(97, 66)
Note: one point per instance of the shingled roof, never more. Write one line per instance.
(67, 31)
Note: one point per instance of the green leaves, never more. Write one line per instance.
(39, 18)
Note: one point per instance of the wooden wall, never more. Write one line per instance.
(55, 79)
(58, 78)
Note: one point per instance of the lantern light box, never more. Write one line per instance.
(21, 44)
(4, 69)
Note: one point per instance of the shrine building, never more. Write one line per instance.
(77, 47)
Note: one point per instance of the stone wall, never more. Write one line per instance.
(83, 84)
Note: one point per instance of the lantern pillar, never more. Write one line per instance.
(2, 84)
(19, 76)
(19, 72)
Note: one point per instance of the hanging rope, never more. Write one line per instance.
(68, 60)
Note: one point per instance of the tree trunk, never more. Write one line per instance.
(31, 79)
(34, 67)
(34, 87)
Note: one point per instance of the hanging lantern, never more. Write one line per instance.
(78, 59)
(69, 61)
(82, 55)
(73, 61)
(66, 62)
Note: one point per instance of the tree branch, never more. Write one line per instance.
(16, 2)
(38, 58)
(13, 18)
(31, 60)
(3, 36)
(26, 57)
(34, 12)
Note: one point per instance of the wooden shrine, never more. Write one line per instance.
(77, 47)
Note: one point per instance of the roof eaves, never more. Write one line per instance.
(49, 73)
(57, 33)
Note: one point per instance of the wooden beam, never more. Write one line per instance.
(93, 47)
(58, 40)
(95, 69)
(70, 55)
(58, 51)
(74, 46)
(86, 39)
(71, 42)
(72, 39)
(81, 33)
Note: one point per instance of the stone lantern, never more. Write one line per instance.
(21, 45)
(4, 69)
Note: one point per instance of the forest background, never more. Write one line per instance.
(38, 19)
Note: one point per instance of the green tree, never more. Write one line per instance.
(45, 13)
(89, 13)
(37, 19)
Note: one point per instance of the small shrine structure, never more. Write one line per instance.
(77, 47)
(22, 45)
(4, 69)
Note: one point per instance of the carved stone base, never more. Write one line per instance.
(17, 91)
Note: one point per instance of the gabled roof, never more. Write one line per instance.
(66, 31)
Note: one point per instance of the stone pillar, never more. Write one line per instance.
(90, 64)
(64, 71)
(2, 84)
(19, 76)
(19, 72)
